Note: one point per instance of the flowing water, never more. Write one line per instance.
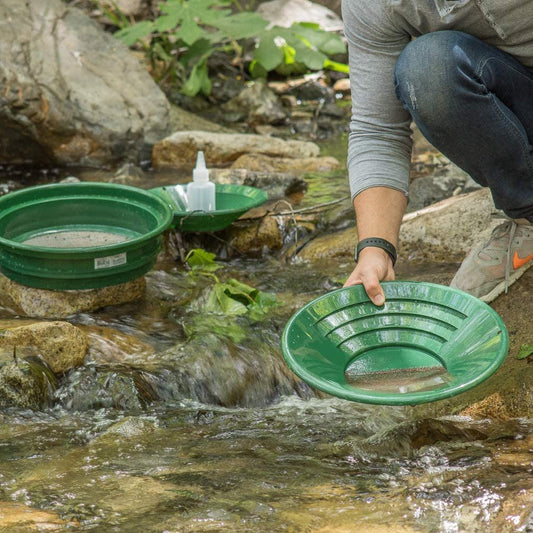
(182, 420)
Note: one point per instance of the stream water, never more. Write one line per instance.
(183, 421)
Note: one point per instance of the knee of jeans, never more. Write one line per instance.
(423, 75)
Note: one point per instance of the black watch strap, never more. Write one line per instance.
(376, 242)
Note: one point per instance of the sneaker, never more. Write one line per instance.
(491, 268)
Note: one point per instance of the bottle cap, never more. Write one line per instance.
(200, 172)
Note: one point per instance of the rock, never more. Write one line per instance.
(445, 231)
(127, 428)
(253, 239)
(265, 163)
(493, 406)
(17, 517)
(129, 174)
(257, 104)
(342, 86)
(183, 120)
(73, 94)
(225, 88)
(404, 438)
(313, 90)
(213, 369)
(96, 387)
(27, 384)
(58, 304)
(275, 184)
(334, 5)
(60, 344)
(440, 185)
(224, 148)
(109, 345)
(285, 13)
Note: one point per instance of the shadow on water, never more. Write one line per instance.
(181, 420)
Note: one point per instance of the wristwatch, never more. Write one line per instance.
(376, 242)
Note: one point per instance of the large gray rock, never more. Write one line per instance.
(71, 93)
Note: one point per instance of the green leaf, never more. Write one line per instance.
(189, 31)
(257, 70)
(234, 298)
(327, 42)
(207, 11)
(173, 14)
(200, 49)
(263, 303)
(161, 53)
(312, 59)
(525, 351)
(332, 45)
(199, 259)
(241, 25)
(135, 32)
(267, 53)
(198, 81)
(221, 300)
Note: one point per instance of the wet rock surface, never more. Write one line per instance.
(60, 344)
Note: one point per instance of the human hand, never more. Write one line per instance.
(373, 266)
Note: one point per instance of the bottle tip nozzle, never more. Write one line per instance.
(200, 160)
(200, 172)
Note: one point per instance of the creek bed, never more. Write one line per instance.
(181, 421)
(104, 458)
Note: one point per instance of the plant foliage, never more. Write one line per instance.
(526, 350)
(188, 32)
(232, 297)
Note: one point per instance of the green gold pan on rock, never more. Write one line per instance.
(72, 236)
(426, 343)
(231, 202)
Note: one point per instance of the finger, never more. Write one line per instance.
(374, 290)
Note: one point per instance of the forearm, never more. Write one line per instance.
(379, 212)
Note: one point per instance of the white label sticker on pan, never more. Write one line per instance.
(110, 261)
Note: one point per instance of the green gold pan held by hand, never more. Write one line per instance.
(428, 342)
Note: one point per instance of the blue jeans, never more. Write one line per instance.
(474, 103)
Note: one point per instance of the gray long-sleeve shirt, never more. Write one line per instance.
(379, 148)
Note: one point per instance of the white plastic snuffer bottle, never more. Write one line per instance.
(201, 191)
